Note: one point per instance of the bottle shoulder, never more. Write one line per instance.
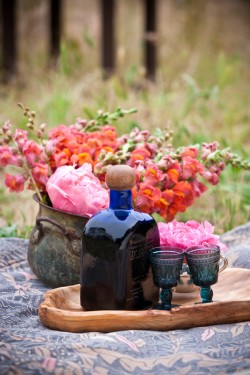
(117, 215)
(118, 223)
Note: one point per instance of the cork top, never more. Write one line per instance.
(120, 177)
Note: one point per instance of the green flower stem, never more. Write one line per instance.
(29, 173)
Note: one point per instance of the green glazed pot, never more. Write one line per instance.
(54, 246)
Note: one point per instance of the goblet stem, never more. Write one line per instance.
(206, 294)
(166, 298)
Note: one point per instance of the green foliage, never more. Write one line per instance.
(10, 231)
(88, 39)
(14, 230)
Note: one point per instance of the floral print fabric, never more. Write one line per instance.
(27, 347)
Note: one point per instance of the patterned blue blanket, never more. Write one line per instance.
(27, 347)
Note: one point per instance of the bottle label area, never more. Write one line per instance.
(139, 248)
(139, 258)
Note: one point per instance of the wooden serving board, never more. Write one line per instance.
(61, 309)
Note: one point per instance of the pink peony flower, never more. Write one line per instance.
(191, 233)
(77, 191)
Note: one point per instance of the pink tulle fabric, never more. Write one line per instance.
(77, 191)
(191, 233)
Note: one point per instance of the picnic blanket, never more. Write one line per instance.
(27, 347)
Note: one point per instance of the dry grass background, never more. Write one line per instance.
(202, 85)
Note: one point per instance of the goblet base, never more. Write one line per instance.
(163, 306)
(206, 294)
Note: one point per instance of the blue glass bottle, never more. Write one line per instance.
(115, 266)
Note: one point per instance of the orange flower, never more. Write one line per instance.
(80, 159)
(61, 158)
(190, 167)
(139, 154)
(147, 195)
(162, 206)
(173, 175)
(153, 175)
(190, 151)
(149, 191)
(183, 196)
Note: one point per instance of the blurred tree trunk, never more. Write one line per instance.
(108, 36)
(55, 27)
(150, 10)
(9, 42)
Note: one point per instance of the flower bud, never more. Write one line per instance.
(82, 122)
(43, 126)
(39, 134)
(6, 126)
(30, 126)
(9, 133)
(49, 147)
(6, 140)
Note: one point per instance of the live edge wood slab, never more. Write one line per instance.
(61, 309)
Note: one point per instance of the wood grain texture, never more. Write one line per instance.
(61, 309)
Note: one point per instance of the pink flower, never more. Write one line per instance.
(49, 147)
(20, 137)
(212, 178)
(190, 167)
(33, 152)
(40, 174)
(7, 157)
(77, 191)
(15, 183)
(208, 148)
(191, 233)
(62, 158)
(6, 126)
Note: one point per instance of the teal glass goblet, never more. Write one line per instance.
(166, 263)
(204, 267)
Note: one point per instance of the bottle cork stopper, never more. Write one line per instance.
(120, 177)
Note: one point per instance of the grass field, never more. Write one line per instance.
(201, 91)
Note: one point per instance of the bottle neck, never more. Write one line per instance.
(120, 200)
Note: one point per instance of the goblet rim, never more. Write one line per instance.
(208, 252)
(176, 249)
(169, 255)
(168, 247)
(200, 247)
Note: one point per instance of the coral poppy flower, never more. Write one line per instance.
(80, 159)
(139, 154)
(190, 167)
(153, 175)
